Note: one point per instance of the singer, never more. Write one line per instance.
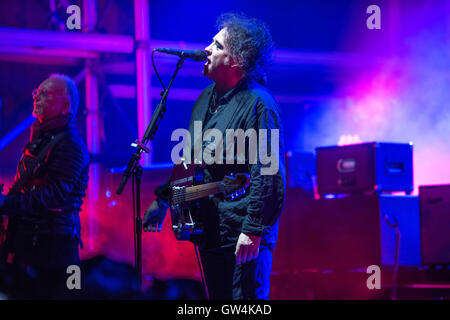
(239, 237)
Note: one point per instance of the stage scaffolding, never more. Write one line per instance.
(33, 46)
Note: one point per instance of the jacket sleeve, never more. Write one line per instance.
(163, 191)
(266, 190)
(64, 169)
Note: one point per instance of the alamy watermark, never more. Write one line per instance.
(374, 281)
(208, 147)
(74, 20)
(374, 20)
(74, 280)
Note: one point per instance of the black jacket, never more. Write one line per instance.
(51, 198)
(247, 106)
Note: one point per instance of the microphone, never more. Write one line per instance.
(196, 55)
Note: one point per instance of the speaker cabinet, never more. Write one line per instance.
(301, 172)
(435, 224)
(355, 232)
(365, 167)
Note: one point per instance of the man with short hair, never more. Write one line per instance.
(43, 204)
(239, 237)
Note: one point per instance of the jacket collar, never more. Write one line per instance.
(230, 93)
(51, 126)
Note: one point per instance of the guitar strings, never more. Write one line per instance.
(197, 195)
(192, 195)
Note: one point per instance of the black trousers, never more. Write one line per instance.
(37, 266)
(227, 280)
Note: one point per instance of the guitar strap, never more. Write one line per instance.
(36, 162)
(20, 183)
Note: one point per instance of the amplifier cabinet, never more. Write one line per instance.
(355, 232)
(301, 171)
(359, 168)
(435, 224)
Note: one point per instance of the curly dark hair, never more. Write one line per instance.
(250, 44)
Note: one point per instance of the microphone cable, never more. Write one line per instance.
(200, 266)
(398, 234)
(156, 71)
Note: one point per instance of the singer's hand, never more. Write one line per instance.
(247, 248)
(154, 217)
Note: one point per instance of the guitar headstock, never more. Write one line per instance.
(234, 185)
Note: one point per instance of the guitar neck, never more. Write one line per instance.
(203, 190)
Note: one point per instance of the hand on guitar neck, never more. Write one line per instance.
(183, 196)
(154, 216)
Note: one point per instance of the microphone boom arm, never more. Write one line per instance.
(150, 131)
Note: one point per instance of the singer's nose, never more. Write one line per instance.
(208, 50)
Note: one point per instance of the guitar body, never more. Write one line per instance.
(187, 188)
(185, 221)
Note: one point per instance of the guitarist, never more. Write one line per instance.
(42, 206)
(239, 237)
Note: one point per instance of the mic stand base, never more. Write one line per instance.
(136, 181)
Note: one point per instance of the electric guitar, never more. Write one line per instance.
(185, 220)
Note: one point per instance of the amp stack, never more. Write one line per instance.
(365, 215)
(351, 207)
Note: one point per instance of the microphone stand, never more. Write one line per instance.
(135, 169)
